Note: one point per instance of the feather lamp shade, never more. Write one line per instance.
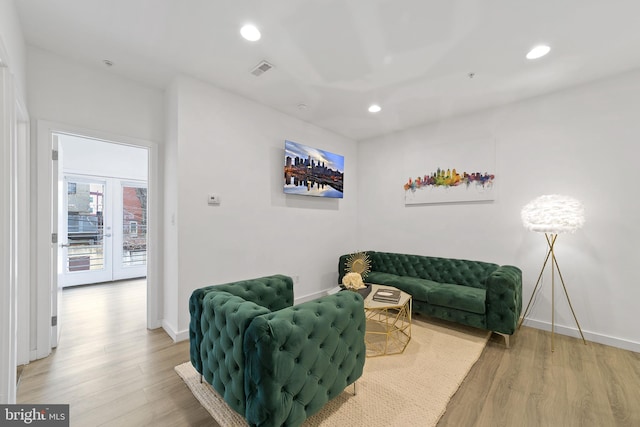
(553, 214)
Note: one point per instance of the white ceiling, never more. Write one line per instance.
(413, 57)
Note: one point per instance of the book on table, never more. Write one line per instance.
(387, 295)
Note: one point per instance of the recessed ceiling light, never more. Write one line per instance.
(107, 62)
(538, 51)
(250, 32)
(374, 108)
(302, 106)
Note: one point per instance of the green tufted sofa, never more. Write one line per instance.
(474, 293)
(274, 363)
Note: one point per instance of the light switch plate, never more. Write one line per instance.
(213, 199)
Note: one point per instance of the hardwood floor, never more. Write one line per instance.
(114, 372)
(528, 385)
(109, 368)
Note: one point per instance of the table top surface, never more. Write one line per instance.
(369, 303)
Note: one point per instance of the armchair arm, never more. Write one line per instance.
(299, 358)
(195, 331)
(225, 318)
(504, 299)
(273, 292)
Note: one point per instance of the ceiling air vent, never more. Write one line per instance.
(261, 68)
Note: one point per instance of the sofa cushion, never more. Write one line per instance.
(459, 297)
(379, 278)
(416, 287)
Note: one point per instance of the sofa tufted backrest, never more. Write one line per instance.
(301, 357)
(272, 292)
(443, 270)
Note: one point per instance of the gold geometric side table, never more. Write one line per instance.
(388, 328)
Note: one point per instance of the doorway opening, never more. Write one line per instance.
(101, 214)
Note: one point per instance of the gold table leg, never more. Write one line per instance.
(391, 324)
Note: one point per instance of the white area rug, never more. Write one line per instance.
(412, 388)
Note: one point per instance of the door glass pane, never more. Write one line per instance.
(134, 226)
(85, 226)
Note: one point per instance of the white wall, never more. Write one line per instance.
(12, 45)
(235, 148)
(581, 142)
(62, 91)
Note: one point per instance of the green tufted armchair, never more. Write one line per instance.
(474, 293)
(274, 363)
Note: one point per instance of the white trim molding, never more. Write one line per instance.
(589, 336)
(8, 240)
(175, 335)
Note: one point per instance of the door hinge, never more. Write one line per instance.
(54, 320)
(54, 237)
(54, 154)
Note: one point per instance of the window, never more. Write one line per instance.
(133, 228)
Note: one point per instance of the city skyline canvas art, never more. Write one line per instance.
(450, 173)
(312, 172)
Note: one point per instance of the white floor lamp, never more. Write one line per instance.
(552, 215)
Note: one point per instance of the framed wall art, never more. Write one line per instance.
(450, 173)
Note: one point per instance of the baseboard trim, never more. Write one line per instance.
(176, 336)
(155, 324)
(310, 297)
(589, 336)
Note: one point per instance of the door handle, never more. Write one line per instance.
(107, 235)
(64, 245)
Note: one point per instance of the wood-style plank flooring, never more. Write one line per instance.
(113, 371)
(109, 368)
(528, 385)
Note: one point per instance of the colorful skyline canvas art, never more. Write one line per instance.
(450, 173)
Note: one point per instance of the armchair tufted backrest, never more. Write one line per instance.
(300, 357)
(272, 292)
(443, 270)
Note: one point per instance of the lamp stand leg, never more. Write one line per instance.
(551, 240)
(526, 310)
(566, 293)
(553, 289)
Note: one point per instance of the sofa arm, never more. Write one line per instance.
(504, 299)
(225, 319)
(299, 358)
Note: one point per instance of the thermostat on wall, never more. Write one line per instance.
(213, 199)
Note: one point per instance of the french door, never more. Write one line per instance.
(103, 230)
